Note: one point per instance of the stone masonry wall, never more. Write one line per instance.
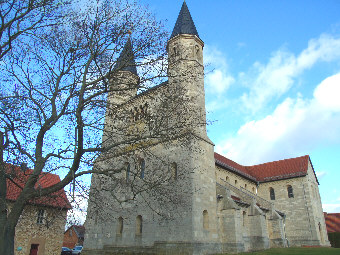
(302, 218)
(231, 178)
(48, 235)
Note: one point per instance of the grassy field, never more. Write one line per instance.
(296, 251)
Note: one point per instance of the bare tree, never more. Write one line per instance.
(23, 18)
(54, 91)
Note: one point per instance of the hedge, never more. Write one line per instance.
(334, 239)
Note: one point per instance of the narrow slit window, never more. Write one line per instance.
(120, 226)
(244, 214)
(205, 220)
(290, 191)
(174, 171)
(142, 168)
(139, 225)
(272, 193)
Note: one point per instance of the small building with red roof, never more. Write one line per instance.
(40, 229)
(74, 236)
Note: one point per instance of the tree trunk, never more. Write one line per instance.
(7, 239)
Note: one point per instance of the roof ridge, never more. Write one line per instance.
(269, 171)
(280, 160)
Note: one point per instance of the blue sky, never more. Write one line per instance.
(272, 80)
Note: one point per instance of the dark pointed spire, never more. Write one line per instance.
(126, 60)
(184, 23)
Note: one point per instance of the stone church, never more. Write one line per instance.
(171, 193)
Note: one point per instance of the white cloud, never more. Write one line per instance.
(294, 128)
(328, 92)
(320, 175)
(217, 80)
(278, 75)
(331, 208)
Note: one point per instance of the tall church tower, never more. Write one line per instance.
(186, 71)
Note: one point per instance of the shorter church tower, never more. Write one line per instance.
(124, 78)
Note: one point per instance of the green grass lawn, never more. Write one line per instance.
(296, 251)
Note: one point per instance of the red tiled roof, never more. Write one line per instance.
(281, 169)
(276, 170)
(237, 168)
(332, 222)
(57, 199)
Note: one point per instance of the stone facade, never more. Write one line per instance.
(48, 233)
(206, 204)
(40, 228)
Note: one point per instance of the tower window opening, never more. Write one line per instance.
(142, 168)
(174, 51)
(120, 226)
(139, 225)
(174, 171)
(244, 214)
(205, 220)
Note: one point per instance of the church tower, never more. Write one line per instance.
(124, 78)
(186, 73)
(123, 85)
(186, 70)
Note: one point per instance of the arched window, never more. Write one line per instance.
(244, 214)
(245, 186)
(290, 191)
(235, 182)
(253, 189)
(174, 51)
(120, 226)
(321, 234)
(205, 220)
(174, 171)
(139, 225)
(142, 168)
(272, 193)
(227, 179)
(127, 172)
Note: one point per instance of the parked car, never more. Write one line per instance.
(65, 251)
(77, 250)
